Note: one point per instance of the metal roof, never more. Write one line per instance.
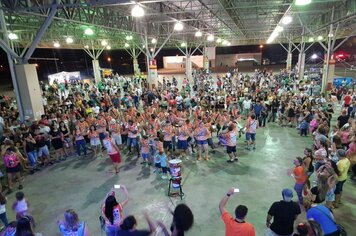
(241, 22)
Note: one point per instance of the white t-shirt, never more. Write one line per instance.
(2, 209)
(246, 104)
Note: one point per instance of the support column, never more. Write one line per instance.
(188, 67)
(30, 90)
(137, 71)
(152, 76)
(289, 57)
(301, 65)
(96, 71)
(205, 60)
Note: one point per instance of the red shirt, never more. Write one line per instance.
(347, 99)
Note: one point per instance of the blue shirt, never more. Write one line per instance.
(322, 215)
(163, 160)
(257, 109)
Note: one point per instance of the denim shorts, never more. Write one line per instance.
(251, 136)
(202, 142)
(330, 195)
(43, 151)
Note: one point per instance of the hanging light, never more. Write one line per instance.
(86, 46)
(129, 37)
(108, 47)
(69, 40)
(183, 45)
(198, 34)
(88, 31)
(127, 45)
(151, 49)
(210, 37)
(137, 11)
(56, 44)
(154, 41)
(13, 36)
(104, 43)
(219, 40)
(320, 38)
(178, 26)
(279, 28)
(287, 20)
(331, 35)
(302, 2)
(311, 39)
(314, 56)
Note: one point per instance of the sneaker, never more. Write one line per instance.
(230, 161)
(235, 159)
(142, 163)
(20, 186)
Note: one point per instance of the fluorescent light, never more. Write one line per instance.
(104, 43)
(287, 20)
(137, 11)
(13, 36)
(274, 34)
(108, 47)
(127, 45)
(279, 29)
(69, 40)
(219, 40)
(320, 38)
(178, 26)
(210, 37)
(311, 39)
(154, 41)
(56, 45)
(86, 46)
(88, 31)
(183, 44)
(302, 2)
(198, 33)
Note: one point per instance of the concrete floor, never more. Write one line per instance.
(260, 175)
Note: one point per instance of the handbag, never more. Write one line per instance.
(340, 228)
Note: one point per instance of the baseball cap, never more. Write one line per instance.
(287, 194)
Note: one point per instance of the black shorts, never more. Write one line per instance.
(13, 169)
(230, 149)
(167, 145)
(124, 138)
(165, 170)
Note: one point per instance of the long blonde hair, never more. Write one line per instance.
(71, 220)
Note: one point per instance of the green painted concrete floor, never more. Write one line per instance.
(260, 175)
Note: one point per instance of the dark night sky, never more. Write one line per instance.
(78, 60)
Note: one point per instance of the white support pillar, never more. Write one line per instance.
(137, 71)
(188, 67)
(30, 91)
(301, 65)
(289, 57)
(96, 71)
(152, 76)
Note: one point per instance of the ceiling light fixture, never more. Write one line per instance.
(279, 28)
(127, 45)
(198, 34)
(86, 46)
(178, 26)
(154, 41)
(302, 2)
(183, 45)
(108, 47)
(320, 38)
(219, 40)
(137, 11)
(287, 20)
(56, 45)
(13, 36)
(311, 39)
(129, 37)
(314, 56)
(69, 40)
(210, 37)
(88, 31)
(104, 43)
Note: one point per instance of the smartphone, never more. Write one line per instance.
(117, 186)
(236, 190)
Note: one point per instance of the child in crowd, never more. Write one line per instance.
(251, 126)
(113, 151)
(231, 137)
(161, 156)
(21, 206)
(3, 217)
(94, 140)
(303, 128)
(145, 150)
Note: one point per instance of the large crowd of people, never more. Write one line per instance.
(121, 116)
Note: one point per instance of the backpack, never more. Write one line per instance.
(10, 160)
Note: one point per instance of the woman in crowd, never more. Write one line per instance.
(71, 225)
(112, 211)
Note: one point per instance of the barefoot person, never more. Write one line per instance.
(113, 151)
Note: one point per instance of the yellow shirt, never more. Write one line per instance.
(343, 166)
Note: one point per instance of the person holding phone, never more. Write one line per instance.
(112, 211)
(237, 226)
